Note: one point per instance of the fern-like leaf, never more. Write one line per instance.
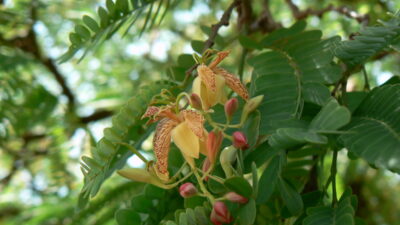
(374, 132)
(371, 41)
(288, 73)
(117, 14)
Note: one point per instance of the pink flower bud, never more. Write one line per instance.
(220, 214)
(234, 197)
(206, 167)
(214, 141)
(230, 107)
(195, 101)
(187, 190)
(240, 140)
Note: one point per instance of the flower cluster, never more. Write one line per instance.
(184, 124)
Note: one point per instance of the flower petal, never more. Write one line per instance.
(186, 140)
(195, 122)
(151, 111)
(233, 82)
(207, 76)
(220, 56)
(161, 142)
(142, 175)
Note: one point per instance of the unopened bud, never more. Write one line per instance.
(240, 140)
(195, 101)
(227, 158)
(206, 167)
(250, 106)
(187, 190)
(220, 214)
(234, 197)
(214, 141)
(230, 108)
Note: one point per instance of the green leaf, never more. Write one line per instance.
(247, 213)
(369, 42)
(248, 43)
(197, 46)
(239, 185)
(141, 203)
(331, 117)
(315, 93)
(285, 138)
(119, 14)
(127, 217)
(91, 23)
(290, 197)
(286, 77)
(251, 128)
(343, 214)
(374, 132)
(268, 180)
(103, 17)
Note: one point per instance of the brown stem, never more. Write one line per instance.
(302, 14)
(224, 21)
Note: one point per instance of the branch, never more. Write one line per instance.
(266, 23)
(302, 14)
(98, 115)
(224, 21)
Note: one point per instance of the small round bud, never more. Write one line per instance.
(187, 190)
(234, 197)
(220, 214)
(230, 108)
(195, 101)
(240, 140)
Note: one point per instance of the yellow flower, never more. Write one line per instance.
(211, 80)
(187, 131)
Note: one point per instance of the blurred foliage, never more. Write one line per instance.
(51, 113)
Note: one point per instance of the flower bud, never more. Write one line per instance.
(206, 167)
(220, 214)
(227, 158)
(214, 141)
(195, 101)
(250, 106)
(187, 190)
(240, 140)
(234, 197)
(230, 108)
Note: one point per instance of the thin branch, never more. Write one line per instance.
(98, 115)
(266, 23)
(302, 14)
(224, 21)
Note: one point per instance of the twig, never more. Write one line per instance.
(302, 14)
(98, 115)
(224, 21)
(333, 174)
(366, 83)
(266, 23)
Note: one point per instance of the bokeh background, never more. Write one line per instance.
(44, 129)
